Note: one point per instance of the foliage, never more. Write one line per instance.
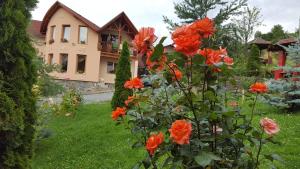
(46, 85)
(123, 74)
(71, 100)
(254, 62)
(246, 23)
(191, 92)
(17, 76)
(285, 93)
(44, 112)
(274, 35)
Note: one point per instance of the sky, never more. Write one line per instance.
(149, 13)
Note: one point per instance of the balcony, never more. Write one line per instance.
(112, 50)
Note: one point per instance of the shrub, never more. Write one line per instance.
(285, 93)
(123, 74)
(17, 76)
(184, 119)
(71, 100)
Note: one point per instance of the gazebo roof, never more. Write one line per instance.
(260, 41)
(287, 41)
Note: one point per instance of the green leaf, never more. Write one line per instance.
(229, 114)
(162, 40)
(167, 161)
(137, 165)
(273, 157)
(205, 158)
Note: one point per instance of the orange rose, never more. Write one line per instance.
(177, 75)
(270, 127)
(129, 100)
(212, 56)
(144, 39)
(181, 131)
(186, 40)
(228, 60)
(153, 142)
(118, 112)
(204, 26)
(135, 83)
(258, 88)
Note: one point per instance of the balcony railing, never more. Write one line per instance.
(114, 48)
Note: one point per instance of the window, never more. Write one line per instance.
(83, 30)
(50, 59)
(52, 34)
(81, 59)
(66, 33)
(111, 67)
(63, 62)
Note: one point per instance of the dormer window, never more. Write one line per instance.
(83, 32)
(66, 33)
(52, 34)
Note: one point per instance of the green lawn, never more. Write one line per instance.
(89, 141)
(92, 141)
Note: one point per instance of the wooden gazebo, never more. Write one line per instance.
(277, 47)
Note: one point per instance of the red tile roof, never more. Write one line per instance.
(34, 29)
(286, 41)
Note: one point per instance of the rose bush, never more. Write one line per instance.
(185, 118)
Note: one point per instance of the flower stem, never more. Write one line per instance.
(259, 150)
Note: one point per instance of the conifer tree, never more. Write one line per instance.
(123, 74)
(254, 62)
(17, 75)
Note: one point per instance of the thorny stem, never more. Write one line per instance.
(252, 113)
(145, 139)
(259, 150)
(189, 99)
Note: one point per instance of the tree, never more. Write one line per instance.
(246, 24)
(253, 63)
(277, 33)
(274, 35)
(18, 74)
(123, 74)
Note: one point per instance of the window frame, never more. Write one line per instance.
(114, 64)
(63, 34)
(77, 59)
(60, 62)
(87, 35)
(50, 59)
(52, 34)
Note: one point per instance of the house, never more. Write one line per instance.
(85, 52)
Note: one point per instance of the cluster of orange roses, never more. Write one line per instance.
(187, 40)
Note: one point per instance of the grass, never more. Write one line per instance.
(89, 141)
(289, 135)
(92, 141)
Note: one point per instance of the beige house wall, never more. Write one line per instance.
(73, 48)
(110, 77)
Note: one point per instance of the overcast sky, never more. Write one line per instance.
(149, 12)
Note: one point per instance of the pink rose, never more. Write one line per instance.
(270, 126)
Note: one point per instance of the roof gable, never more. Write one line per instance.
(125, 24)
(53, 9)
